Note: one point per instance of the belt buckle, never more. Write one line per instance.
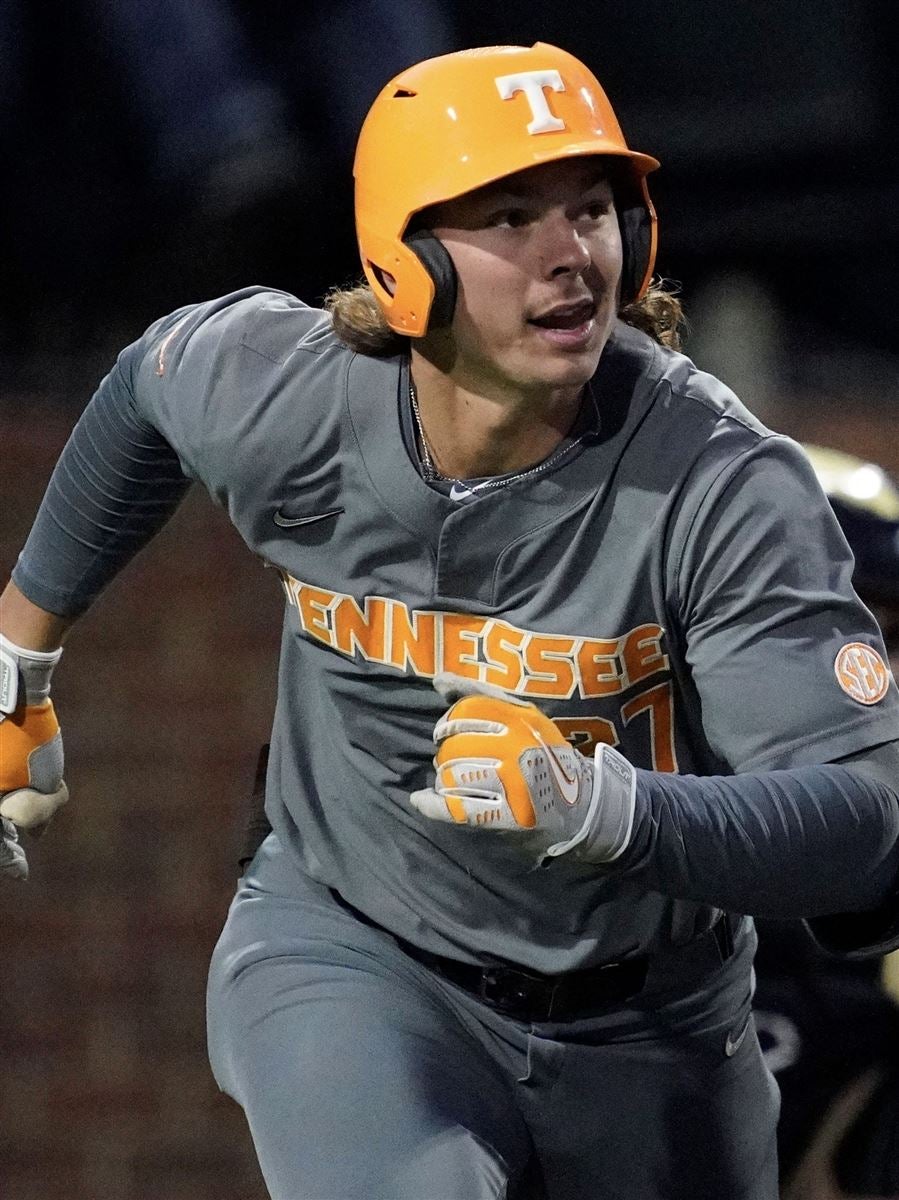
(516, 992)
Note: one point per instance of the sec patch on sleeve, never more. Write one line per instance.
(861, 673)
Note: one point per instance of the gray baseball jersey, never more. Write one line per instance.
(675, 585)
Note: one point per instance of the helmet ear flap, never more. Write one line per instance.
(435, 259)
(636, 247)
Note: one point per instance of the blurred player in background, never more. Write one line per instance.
(830, 1027)
(489, 481)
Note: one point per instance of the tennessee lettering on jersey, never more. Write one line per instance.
(540, 665)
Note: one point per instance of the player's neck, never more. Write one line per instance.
(490, 428)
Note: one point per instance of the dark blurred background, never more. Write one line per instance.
(159, 152)
(162, 151)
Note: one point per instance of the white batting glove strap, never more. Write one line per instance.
(9, 680)
(481, 807)
(35, 668)
(13, 863)
(609, 821)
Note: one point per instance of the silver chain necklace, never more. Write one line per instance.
(431, 473)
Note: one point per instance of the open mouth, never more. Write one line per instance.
(566, 316)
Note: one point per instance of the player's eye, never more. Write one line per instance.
(510, 218)
(596, 209)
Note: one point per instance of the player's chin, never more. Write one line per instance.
(564, 363)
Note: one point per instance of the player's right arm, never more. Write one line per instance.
(124, 470)
(114, 485)
(173, 409)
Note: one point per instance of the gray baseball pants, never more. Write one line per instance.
(365, 1076)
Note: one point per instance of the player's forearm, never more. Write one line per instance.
(793, 843)
(28, 625)
(116, 483)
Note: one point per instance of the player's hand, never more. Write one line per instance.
(503, 765)
(31, 757)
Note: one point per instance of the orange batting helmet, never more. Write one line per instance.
(455, 123)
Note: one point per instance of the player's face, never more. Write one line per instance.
(538, 256)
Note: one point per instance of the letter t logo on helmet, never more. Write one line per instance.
(452, 124)
(532, 84)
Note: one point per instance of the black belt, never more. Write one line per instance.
(528, 995)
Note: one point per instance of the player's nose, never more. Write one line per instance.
(563, 248)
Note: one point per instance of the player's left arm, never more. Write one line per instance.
(818, 842)
(806, 841)
(874, 931)
(805, 821)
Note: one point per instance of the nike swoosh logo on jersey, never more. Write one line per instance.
(463, 491)
(292, 522)
(568, 785)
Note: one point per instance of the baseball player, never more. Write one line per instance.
(515, 527)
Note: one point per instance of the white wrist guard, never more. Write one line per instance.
(24, 674)
(615, 780)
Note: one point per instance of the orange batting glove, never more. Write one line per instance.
(31, 758)
(503, 765)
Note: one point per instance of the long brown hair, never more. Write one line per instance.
(360, 324)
